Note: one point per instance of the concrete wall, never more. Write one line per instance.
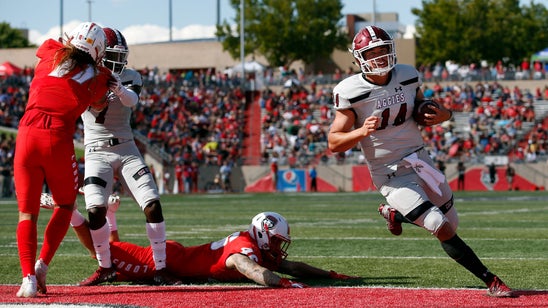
(341, 175)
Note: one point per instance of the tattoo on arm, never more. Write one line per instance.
(254, 271)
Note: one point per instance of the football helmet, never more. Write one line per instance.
(89, 37)
(381, 62)
(116, 51)
(271, 232)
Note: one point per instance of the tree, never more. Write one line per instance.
(284, 31)
(12, 38)
(468, 31)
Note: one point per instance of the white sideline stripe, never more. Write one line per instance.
(407, 258)
(393, 238)
(26, 305)
(522, 210)
(244, 285)
(338, 257)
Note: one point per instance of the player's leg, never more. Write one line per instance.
(402, 194)
(61, 176)
(113, 204)
(393, 218)
(140, 181)
(29, 179)
(79, 223)
(432, 218)
(97, 188)
(411, 197)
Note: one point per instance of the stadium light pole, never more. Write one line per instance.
(374, 12)
(170, 21)
(89, 10)
(218, 16)
(242, 54)
(61, 19)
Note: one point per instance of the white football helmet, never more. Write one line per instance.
(367, 39)
(116, 51)
(271, 232)
(89, 37)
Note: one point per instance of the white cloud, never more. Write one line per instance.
(37, 38)
(137, 34)
(410, 32)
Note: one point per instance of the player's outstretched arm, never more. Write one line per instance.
(259, 274)
(303, 270)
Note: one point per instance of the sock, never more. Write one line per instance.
(56, 230)
(398, 217)
(157, 236)
(102, 246)
(27, 244)
(111, 220)
(465, 256)
(77, 219)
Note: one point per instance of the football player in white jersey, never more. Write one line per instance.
(375, 109)
(111, 153)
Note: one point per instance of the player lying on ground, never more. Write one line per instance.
(254, 254)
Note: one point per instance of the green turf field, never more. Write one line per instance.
(342, 232)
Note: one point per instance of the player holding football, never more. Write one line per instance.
(111, 152)
(253, 254)
(374, 108)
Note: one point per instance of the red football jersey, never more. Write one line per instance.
(63, 95)
(203, 262)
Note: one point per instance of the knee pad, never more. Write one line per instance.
(153, 212)
(433, 220)
(97, 217)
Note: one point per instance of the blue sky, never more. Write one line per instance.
(148, 20)
(144, 21)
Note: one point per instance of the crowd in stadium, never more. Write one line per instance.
(197, 117)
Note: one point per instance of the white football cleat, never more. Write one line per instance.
(28, 287)
(46, 201)
(41, 270)
(113, 203)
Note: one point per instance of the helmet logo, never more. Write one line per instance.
(269, 222)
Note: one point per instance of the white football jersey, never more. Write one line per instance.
(114, 120)
(398, 134)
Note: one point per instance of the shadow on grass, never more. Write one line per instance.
(530, 292)
(361, 281)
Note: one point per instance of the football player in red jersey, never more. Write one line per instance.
(375, 109)
(254, 254)
(68, 78)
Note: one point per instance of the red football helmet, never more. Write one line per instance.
(116, 51)
(378, 61)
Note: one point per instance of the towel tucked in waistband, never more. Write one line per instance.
(431, 176)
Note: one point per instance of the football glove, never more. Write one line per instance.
(286, 283)
(115, 84)
(335, 275)
(46, 201)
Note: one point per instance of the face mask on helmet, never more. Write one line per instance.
(90, 38)
(116, 51)
(271, 232)
(374, 51)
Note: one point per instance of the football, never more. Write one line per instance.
(422, 108)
